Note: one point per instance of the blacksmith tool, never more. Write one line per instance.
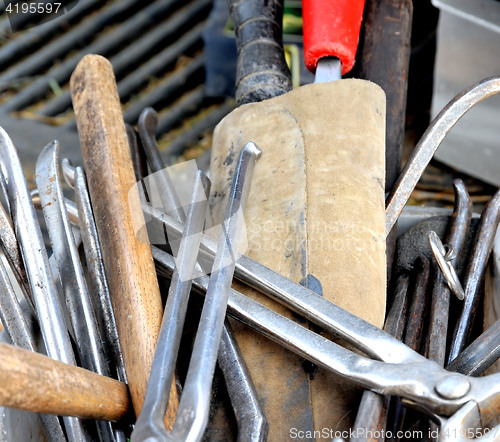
(372, 411)
(457, 402)
(192, 417)
(307, 218)
(251, 420)
(430, 141)
(480, 355)
(47, 303)
(150, 424)
(475, 273)
(75, 178)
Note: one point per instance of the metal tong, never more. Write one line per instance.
(192, 416)
(458, 403)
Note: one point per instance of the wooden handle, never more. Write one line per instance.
(34, 382)
(128, 262)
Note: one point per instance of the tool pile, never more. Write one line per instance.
(97, 305)
(309, 341)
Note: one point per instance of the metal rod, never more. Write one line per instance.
(75, 177)
(475, 273)
(479, 355)
(192, 416)
(10, 248)
(47, 302)
(250, 417)
(440, 305)
(88, 337)
(373, 407)
(150, 423)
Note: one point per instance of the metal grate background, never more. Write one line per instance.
(156, 49)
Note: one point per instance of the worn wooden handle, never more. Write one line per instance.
(128, 261)
(34, 382)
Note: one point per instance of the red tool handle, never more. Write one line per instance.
(331, 28)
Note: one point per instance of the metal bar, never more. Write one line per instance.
(12, 316)
(413, 332)
(479, 355)
(49, 309)
(252, 422)
(475, 273)
(148, 121)
(372, 410)
(150, 423)
(97, 273)
(440, 305)
(192, 416)
(10, 248)
(139, 159)
(88, 337)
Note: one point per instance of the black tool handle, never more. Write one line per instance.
(261, 70)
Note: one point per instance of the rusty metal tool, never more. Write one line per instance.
(475, 273)
(250, 417)
(34, 382)
(430, 141)
(48, 305)
(251, 420)
(150, 424)
(372, 411)
(455, 238)
(10, 248)
(12, 315)
(481, 354)
(75, 178)
(127, 259)
(384, 58)
(192, 416)
(456, 401)
(148, 122)
(414, 331)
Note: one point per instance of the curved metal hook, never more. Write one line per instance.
(429, 143)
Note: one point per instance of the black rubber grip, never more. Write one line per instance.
(261, 70)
